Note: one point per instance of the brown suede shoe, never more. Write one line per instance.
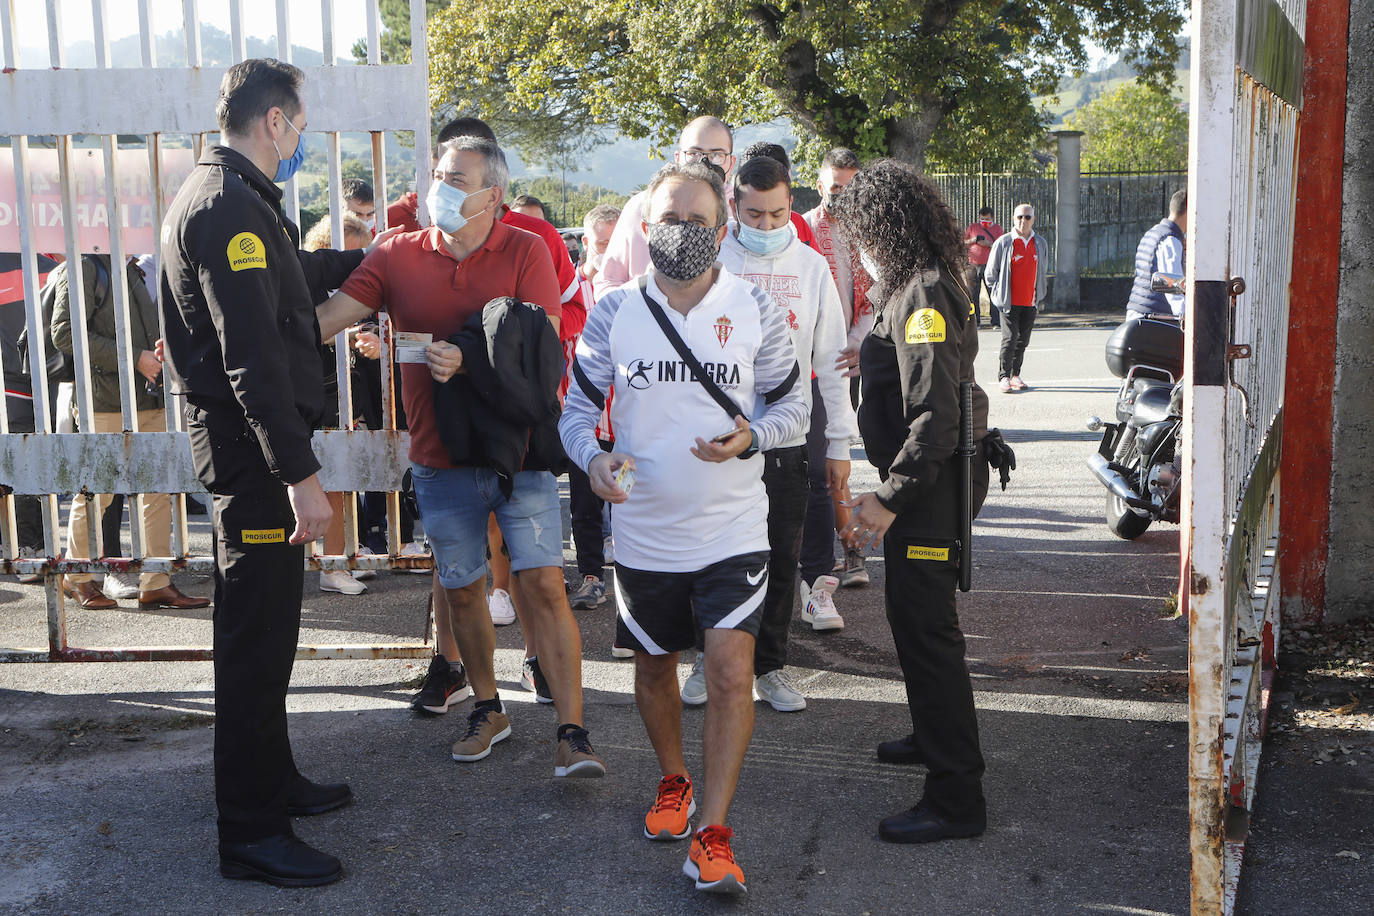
(89, 596)
(171, 597)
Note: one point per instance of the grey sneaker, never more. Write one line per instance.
(589, 594)
(776, 689)
(854, 574)
(694, 688)
(486, 726)
(575, 756)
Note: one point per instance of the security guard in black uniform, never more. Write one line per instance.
(919, 352)
(241, 343)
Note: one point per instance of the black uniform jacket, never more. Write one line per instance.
(242, 341)
(502, 411)
(921, 348)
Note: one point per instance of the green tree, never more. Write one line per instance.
(952, 80)
(1133, 127)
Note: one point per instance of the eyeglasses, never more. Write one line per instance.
(692, 221)
(713, 156)
(1025, 216)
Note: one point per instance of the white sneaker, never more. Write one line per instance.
(819, 609)
(776, 689)
(694, 688)
(361, 574)
(118, 585)
(608, 550)
(414, 549)
(339, 580)
(621, 652)
(502, 608)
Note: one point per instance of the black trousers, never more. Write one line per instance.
(1016, 331)
(257, 621)
(28, 510)
(818, 532)
(921, 557)
(588, 533)
(785, 478)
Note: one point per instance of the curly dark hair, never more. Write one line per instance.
(901, 221)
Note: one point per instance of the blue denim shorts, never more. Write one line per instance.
(455, 503)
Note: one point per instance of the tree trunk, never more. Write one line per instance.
(907, 138)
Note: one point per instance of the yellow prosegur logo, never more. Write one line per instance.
(246, 252)
(263, 535)
(927, 553)
(925, 326)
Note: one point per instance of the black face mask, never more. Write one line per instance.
(682, 251)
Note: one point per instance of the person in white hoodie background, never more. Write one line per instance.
(763, 248)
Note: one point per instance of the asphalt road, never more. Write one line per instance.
(106, 802)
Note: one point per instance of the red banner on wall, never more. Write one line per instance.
(137, 216)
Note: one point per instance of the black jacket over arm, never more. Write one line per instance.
(502, 411)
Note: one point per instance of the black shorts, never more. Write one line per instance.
(661, 611)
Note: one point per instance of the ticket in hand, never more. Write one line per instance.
(410, 346)
(625, 478)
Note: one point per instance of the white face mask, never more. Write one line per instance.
(869, 265)
(371, 223)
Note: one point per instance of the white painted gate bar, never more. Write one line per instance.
(153, 102)
(1243, 133)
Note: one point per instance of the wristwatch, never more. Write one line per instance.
(753, 448)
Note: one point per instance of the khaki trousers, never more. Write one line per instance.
(155, 509)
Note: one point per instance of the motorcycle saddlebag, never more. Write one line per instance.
(1145, 342)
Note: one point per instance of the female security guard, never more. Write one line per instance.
(920, 350)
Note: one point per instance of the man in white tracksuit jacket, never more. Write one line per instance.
(763, 249)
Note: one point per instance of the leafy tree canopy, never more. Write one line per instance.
(1135, 126)
(946, 80)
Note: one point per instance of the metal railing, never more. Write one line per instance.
(150, 123)
(1243, 139)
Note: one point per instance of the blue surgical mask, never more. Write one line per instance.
(445, 204)
(764, 241)
(287, 167)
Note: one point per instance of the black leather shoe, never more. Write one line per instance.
(308, 797)
(922, 825)
(900, 750)
(284, 860)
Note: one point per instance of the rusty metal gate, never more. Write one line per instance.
(1246, 99)
(151, 122)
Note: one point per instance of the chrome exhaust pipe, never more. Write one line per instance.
(1113, 481)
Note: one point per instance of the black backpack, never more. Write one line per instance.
(61, 365)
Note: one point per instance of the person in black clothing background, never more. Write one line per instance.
(241, 343)
(919, 352)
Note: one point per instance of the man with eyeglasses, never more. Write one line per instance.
(432, 282)
(691, 534)
(1018, 271)
(706, 139)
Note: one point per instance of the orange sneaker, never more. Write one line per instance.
(712, 862)
(667, 819)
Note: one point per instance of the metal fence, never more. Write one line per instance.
(149, 122)
(1115, 209)
(1243, 138)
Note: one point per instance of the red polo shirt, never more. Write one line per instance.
(415, 278)
(1023, 270)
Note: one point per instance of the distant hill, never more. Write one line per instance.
(1076, 92)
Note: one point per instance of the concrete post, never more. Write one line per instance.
(1067, 189)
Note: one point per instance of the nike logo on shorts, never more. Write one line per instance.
(756, 577)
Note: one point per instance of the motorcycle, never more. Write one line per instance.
(1139, 460)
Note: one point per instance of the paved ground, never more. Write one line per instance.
(105, 780)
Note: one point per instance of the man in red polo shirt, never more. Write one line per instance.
(431, 282)
(405, 213)
(1018, 271)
